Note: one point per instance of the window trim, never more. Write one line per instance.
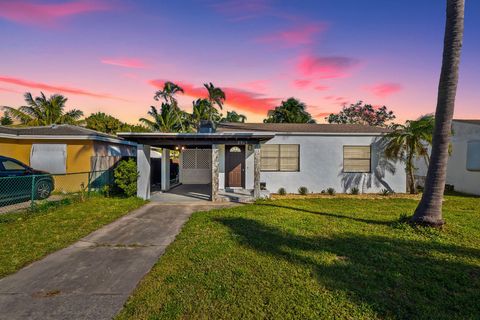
(279, 157)
(369, 160)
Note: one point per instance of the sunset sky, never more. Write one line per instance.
(111, 55)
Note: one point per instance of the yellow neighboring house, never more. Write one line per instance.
(69, 152)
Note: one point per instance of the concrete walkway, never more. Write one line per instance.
(93, 278)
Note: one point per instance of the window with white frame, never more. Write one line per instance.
(356, 159)
(280, 157)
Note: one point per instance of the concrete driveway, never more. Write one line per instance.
(93, 278)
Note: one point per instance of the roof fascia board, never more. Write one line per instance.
(67, 137)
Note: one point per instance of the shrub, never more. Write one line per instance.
(282, 191)
(126, 176)
(323, 191)
(303, 190)
(354, 190)
(331, 191)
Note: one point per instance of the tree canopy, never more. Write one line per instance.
(43, 111)
(410, 141)
(290, 111)
(365, 114)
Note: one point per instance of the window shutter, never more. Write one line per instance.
(356, 159)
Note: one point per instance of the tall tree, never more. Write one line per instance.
(365, 114)
(203, 110)
(43, 111)
(216, 96)
(233, 116)
(163, 120)
(6, 120)
(429, 210)
(290, 111)
(167, 93)
(105, 123)
(409, 142)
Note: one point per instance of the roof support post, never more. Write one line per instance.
(215, 172)
(165, 169)
(256, 171)
(144, 171)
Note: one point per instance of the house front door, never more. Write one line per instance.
(235, 166)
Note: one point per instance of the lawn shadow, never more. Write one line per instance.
(397, 278)
(332, 215)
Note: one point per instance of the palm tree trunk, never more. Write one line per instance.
(411, 174)
(429, 210)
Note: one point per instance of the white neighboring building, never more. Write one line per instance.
(464, 163)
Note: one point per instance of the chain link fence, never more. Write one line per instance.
(28, 192)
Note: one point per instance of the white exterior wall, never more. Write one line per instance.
(221, 166)
(321, 166)
(457, 173)
(144, 171)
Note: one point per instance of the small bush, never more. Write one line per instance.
(126, 176)
(354, 190)
(331, 191)
(282, 191)
(323, 191)
(303, 190)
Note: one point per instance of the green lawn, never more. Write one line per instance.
(324, 258)
(26, 237)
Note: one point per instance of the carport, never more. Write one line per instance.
(220, 161)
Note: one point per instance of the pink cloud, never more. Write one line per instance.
(54, 89)
(124, 62)
(320, 88)
(383, 90)
(9, 90)
(301, 83)
(256, 85)
(242, 99)
(46, 14)
(325, 67)
(300, 35)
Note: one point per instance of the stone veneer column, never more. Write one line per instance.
(256, 172)
(215, 172)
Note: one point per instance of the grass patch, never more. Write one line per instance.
(28, 236)
(317, 258)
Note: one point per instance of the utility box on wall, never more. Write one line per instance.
(473, 155)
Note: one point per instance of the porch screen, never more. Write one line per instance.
(356, 158)
(280, 157)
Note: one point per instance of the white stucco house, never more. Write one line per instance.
(463, 171)
(261, 158)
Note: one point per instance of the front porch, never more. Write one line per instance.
(212, 166)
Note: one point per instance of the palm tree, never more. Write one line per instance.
(215, 95)
(164, 121)
(43, 111)
(429, 210)
(168, 95)
(203, 110)
(233, 116)
(290, 111)
(408, 142)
